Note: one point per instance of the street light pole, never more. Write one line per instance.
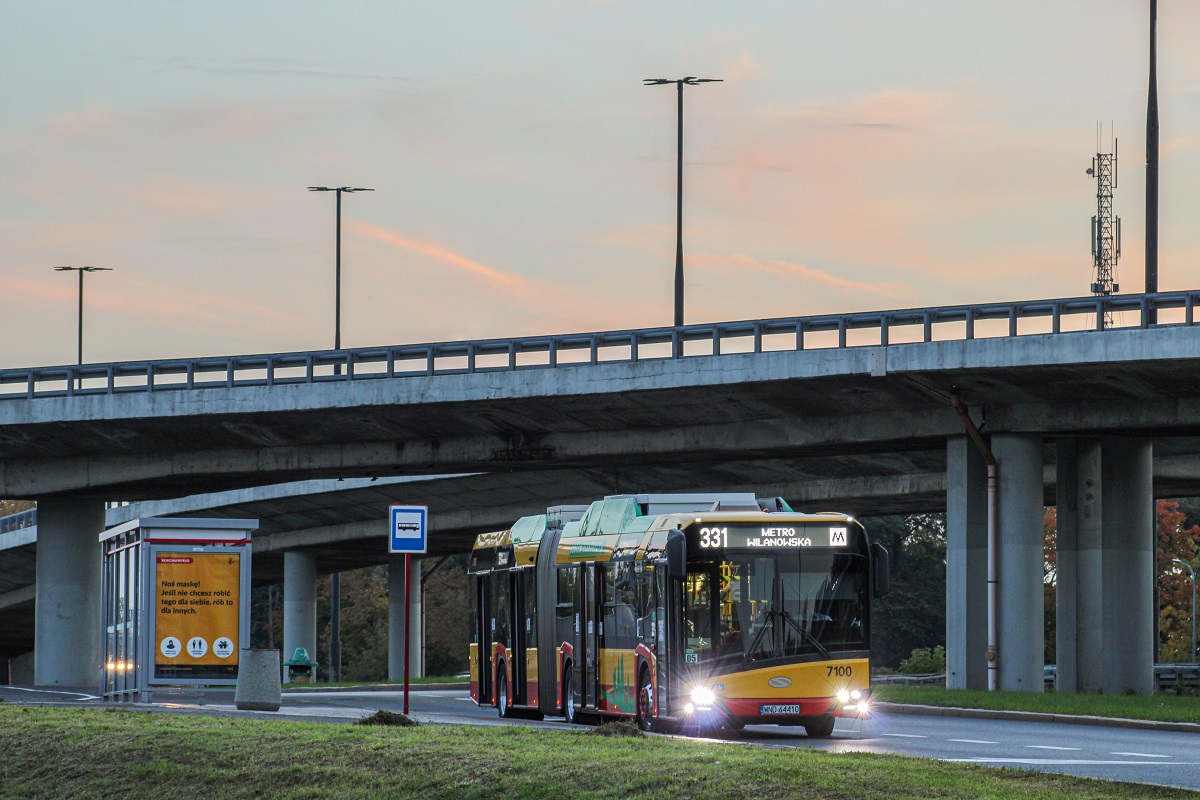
(679, 83)
(337, 258)
(79, 320)
(1152, 165)
(335, 579)
(1192, 572)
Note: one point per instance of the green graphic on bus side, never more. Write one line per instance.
(620, 697)
(587, 549)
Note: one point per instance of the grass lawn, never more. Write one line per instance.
(92, 753)
(1162, 706)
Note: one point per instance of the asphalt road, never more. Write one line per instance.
(1113, 753)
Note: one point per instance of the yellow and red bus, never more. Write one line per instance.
(693, 609)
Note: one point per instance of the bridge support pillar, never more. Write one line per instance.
(1079, 613)
(966, 565)
(1020, 548)
(397, 623)
(67, 615)
(1105, 566)
(1129, 531)
(299, 603)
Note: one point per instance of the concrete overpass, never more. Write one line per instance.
(822, 402)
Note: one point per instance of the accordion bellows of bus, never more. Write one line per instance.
(677, 609)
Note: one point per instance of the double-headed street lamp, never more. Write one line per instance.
(79, 326)
(679, 83)
(1192, 572)
(337, 291)
(335, 580)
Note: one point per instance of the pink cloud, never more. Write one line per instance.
(510, 281)
(788, 269)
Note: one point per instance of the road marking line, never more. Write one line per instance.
(972, 741)
(905, 735)
(1140, 755)
(1046, 762)
(52, 691)
(1049, 747)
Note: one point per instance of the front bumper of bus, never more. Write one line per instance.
(706, 704)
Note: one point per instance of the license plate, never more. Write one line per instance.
(779, 708)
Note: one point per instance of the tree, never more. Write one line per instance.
(1177, 535)
(1175, 540)
(913, 614)
(1050, 584)
(8, 507)
(448, 618)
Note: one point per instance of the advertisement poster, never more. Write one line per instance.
(197, 612)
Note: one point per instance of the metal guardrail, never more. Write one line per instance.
(15, 522)
(935, 679)
(1166, 676)
(534, 352)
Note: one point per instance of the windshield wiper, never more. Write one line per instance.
(813, 640)
(766, 625)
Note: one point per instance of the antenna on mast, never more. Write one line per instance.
(1106, 229)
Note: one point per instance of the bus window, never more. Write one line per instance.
(644, 605)
(832, 589)
(531, 609)
(620, 619)
(500, 608)
(564, 609)
(697, 608)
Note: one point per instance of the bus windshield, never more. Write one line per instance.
(752, 606)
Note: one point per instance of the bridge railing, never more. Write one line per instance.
(15, 522)
(1165, 309)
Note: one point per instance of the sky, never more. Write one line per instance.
(858, 155)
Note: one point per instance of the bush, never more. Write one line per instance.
(924, 661)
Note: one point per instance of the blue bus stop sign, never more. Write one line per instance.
(409, 525)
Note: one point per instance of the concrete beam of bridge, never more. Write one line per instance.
(772, 405)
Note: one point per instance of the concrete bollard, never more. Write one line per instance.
(258, 683)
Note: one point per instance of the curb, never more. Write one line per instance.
(375, 687)
(1038, 716)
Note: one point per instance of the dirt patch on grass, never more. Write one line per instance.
(621, 727)
(383, 717)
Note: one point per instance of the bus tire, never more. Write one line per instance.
(645, 701)
(502, 693)
(819, 727)
(568, 698)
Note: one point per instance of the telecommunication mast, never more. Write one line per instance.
(1106, 229)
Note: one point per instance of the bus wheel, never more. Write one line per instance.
(502, 694)
(819, 727)
(568, 698)
(645, 701)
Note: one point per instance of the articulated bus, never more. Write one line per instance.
(679, 611)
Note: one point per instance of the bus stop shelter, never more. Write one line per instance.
(176, 605)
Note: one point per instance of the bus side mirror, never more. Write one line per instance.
(881, 571)
(676, 555)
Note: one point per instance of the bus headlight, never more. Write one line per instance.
(845, 696)
(703, 697)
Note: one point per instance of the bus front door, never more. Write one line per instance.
(660, 598)
(483, 639)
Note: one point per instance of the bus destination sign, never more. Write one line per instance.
(765, 537)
